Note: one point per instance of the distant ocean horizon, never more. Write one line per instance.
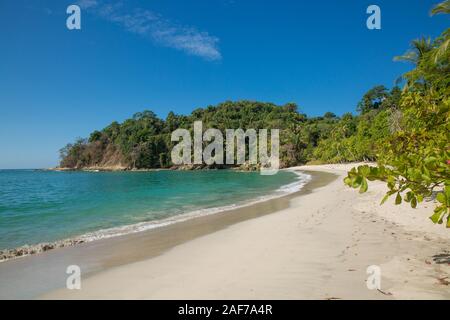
(38, 206)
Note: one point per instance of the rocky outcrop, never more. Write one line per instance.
(27, 250)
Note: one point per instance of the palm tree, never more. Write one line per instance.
(424, 45)
(442, 8)
(419, 48)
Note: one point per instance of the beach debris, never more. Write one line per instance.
(384, 292)
(443, 281)
(27, 250)
(442, 258)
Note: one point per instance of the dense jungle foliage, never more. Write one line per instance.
(144, 141)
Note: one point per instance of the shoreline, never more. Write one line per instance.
(99, 255)
(123, 230)
(318, 247)
(313, 244)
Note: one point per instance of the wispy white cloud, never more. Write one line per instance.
(160, 30)
(85, 4)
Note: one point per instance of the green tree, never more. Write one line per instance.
(373, 99)
(415, 160)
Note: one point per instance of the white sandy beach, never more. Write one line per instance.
(318, 248)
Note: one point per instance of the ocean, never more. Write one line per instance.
(45, 206)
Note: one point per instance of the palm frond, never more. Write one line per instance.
(441, 8)
(419, 47)
(441, 50)
(409, 56)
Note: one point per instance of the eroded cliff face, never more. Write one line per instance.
(95, 157)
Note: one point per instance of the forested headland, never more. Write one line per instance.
(144, 141)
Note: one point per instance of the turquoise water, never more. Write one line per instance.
(44, 206)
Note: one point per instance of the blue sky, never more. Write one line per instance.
(59, 84)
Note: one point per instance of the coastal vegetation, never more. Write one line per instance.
(144, 141)
(406, 130)
(414, 160)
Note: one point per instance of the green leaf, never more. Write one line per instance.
(364, 170)
(441, 198)
(437, 214)
(357, 182)
(348, 181)
(435, 217)
(413, 202)
(364, 186)
(430, 159)
(384, 199)
(398, 199)
(409, 196)
(447, 192)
